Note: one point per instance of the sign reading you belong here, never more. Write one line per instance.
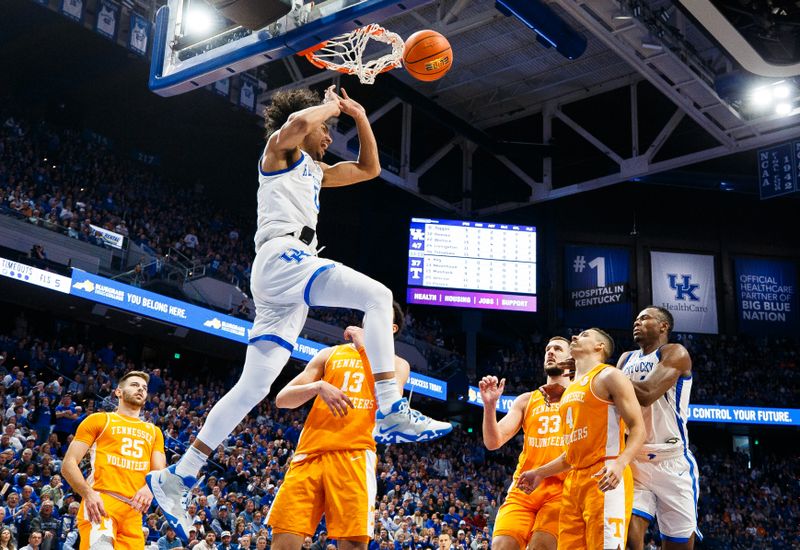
(129, 298)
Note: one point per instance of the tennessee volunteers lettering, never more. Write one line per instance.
(539, 442)
(577, 435)
(127, 464)
(578, 396)
(346, 364)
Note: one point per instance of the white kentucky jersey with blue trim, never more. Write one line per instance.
(665, 420)
(288, 199)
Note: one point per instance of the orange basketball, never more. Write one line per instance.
(427, 55)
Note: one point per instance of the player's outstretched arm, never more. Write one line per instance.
(309, 384)
(496, 434)
(71, 472)
(675, 362)
(368, 165)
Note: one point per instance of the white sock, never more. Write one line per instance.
(191, 463)
(387, 393)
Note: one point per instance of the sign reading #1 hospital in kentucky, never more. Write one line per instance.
(766, 296)
(597, 286)
(684, 284)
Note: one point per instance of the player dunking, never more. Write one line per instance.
(594, 410)
(529, 520)
(333, 468)
(665, 474)
(122, 450)
(288, 277)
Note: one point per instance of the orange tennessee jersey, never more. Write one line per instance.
(120, 448)
(322, 432)
(544, 434)
(593, 429)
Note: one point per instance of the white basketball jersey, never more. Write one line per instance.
(288, 199)
(664, 420)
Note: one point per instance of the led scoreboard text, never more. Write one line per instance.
(472, 264)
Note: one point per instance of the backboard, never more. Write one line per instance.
(182, 62)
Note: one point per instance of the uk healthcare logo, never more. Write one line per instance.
(685, 289)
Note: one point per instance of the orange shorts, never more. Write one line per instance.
(122, 528)
(522, 515)
(592, 519)
(340, 484)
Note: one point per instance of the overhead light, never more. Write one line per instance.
(198, 21)
(781, 91)
(624, 12)
(783, 108)
(761, 97)
(652, 46)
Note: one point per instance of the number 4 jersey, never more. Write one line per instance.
(120, 448)
(346, 370)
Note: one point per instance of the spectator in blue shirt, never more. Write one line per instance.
(65, 418)
(169, 540)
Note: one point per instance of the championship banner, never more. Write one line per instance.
(110, 238)
(72, 9)
(766, 296)
(107, 19)
(684, 284)
(597, 286)
(248, 92)
(140, 34)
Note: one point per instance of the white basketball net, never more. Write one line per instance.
(344, 53)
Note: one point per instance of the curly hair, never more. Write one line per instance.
(284, 104)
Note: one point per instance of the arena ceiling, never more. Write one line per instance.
(513, 123)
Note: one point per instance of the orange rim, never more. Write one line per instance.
(309, 53)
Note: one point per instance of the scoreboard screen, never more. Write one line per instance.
(472, 264)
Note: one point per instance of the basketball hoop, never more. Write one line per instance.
(344, 53)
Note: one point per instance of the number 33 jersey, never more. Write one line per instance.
(544, 435)
(120, 448)
(346, 370)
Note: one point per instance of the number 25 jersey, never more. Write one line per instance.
(120, 448)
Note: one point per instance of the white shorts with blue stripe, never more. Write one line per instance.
(283, 272)
(666, 488)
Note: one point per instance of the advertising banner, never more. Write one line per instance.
(685, 285)
(766, 296)
(597, 284)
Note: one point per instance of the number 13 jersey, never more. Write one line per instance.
(346, 370)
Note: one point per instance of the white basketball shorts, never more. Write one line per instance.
(281, 279)
(667, 489)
